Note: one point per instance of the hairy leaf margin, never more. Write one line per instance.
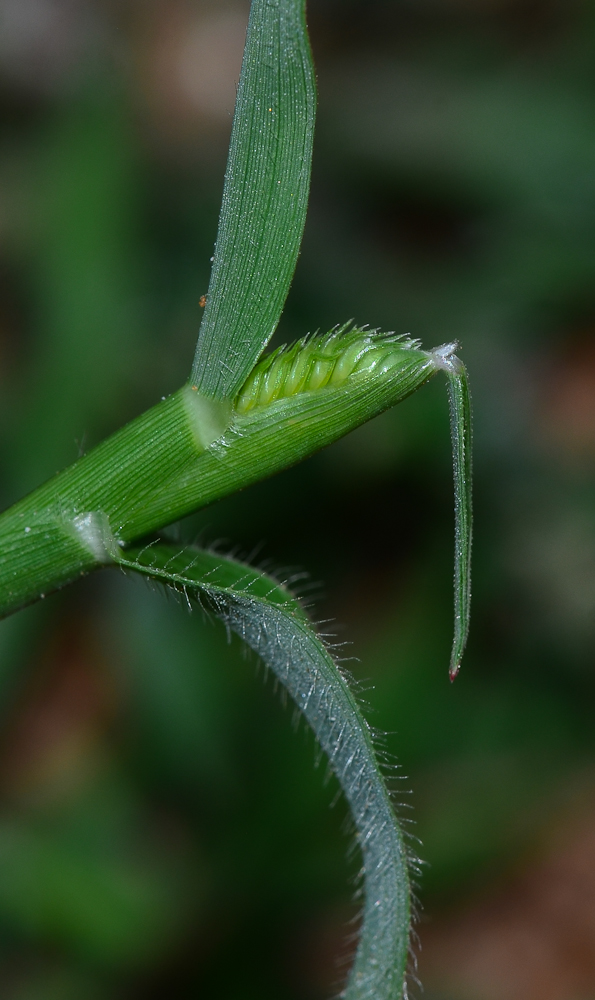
(271, 622)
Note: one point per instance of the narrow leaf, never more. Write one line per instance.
(460, 423)
(266, 616)
(264, 199)
(461, 435)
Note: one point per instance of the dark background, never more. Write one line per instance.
(164, 832)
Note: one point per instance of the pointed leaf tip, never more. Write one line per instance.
(453, 672)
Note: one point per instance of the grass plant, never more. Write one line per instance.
(241, 417)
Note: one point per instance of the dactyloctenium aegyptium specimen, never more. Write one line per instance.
(237, 420)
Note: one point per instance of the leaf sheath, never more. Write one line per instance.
(180, 455)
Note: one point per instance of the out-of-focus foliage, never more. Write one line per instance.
(163, 831)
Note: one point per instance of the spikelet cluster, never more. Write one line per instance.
(315, 362)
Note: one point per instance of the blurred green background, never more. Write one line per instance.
(164, 831)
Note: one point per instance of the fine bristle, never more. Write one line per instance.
(315, 362)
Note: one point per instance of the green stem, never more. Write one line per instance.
(178, 456)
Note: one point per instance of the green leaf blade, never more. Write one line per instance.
(461, 433)
(266, 616)
(264, 199)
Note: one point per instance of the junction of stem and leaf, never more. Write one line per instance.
(189, 451)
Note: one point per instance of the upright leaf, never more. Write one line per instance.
(265, 615)
(264, 199)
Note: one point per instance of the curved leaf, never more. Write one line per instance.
(266, 616)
